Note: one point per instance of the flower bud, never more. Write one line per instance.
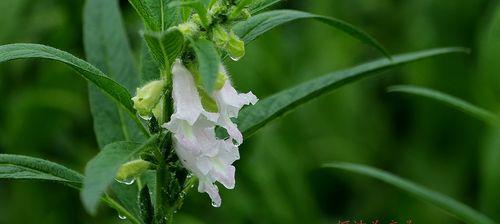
(235, 47)
(220, 36)
(188, 29)
(147, 97)
(130, 170)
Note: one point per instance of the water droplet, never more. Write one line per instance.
(122, 217)
(126, 181)
(215, 204)
(235, 58)
(147, 118)
(192, 185)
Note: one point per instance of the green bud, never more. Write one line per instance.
(130, 170)
(237, 10)
(188, 29)
(203, 21)
(235, 47)
(159, 110)
(147, 97)
(217, 8)
(220, 36)
(245, 14)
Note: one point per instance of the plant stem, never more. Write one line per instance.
(162, 179)
(164, 213)
(121, 210)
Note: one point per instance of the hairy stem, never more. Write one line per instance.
(164, 211)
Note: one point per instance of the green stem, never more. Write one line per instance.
(164, 213)
(162, 180)
(120, 209)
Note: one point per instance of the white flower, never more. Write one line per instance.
(193, 128)
(230, 102)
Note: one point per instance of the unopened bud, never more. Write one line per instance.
(220, 36)
(188, 29)
(235, 47)
(130, 170)
(147, 97)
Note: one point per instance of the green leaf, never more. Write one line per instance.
(208, 62)
(199, 6)
(449, 205)
(165, 16)
(263, 4)
(165, 47)
(116, 91)
(101, 170)
(487, 81)
(107, 47)
(255, 117)
(452, 101)
(127, 196)
(156, 14)
(29, 168)
(146, 15)
(149, 68)
(257, 25)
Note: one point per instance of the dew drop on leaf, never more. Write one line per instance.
(126, 181)
(235, 58)
(122, 217)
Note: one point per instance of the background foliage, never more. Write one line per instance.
(44, 113)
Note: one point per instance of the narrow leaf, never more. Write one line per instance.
(165, 47)
(257, 25)
(29, 168)
(101, 170)
(452, 101)
(107, 47)
(262, 5)
(449, 205)
(255, 117)
(114, 90)
(208, 62)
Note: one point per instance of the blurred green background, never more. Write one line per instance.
(44, 113)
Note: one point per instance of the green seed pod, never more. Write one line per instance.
(130, 170)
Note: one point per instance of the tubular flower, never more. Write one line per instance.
(193, 128)
(230, 102)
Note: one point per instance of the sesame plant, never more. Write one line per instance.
(173, 126)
